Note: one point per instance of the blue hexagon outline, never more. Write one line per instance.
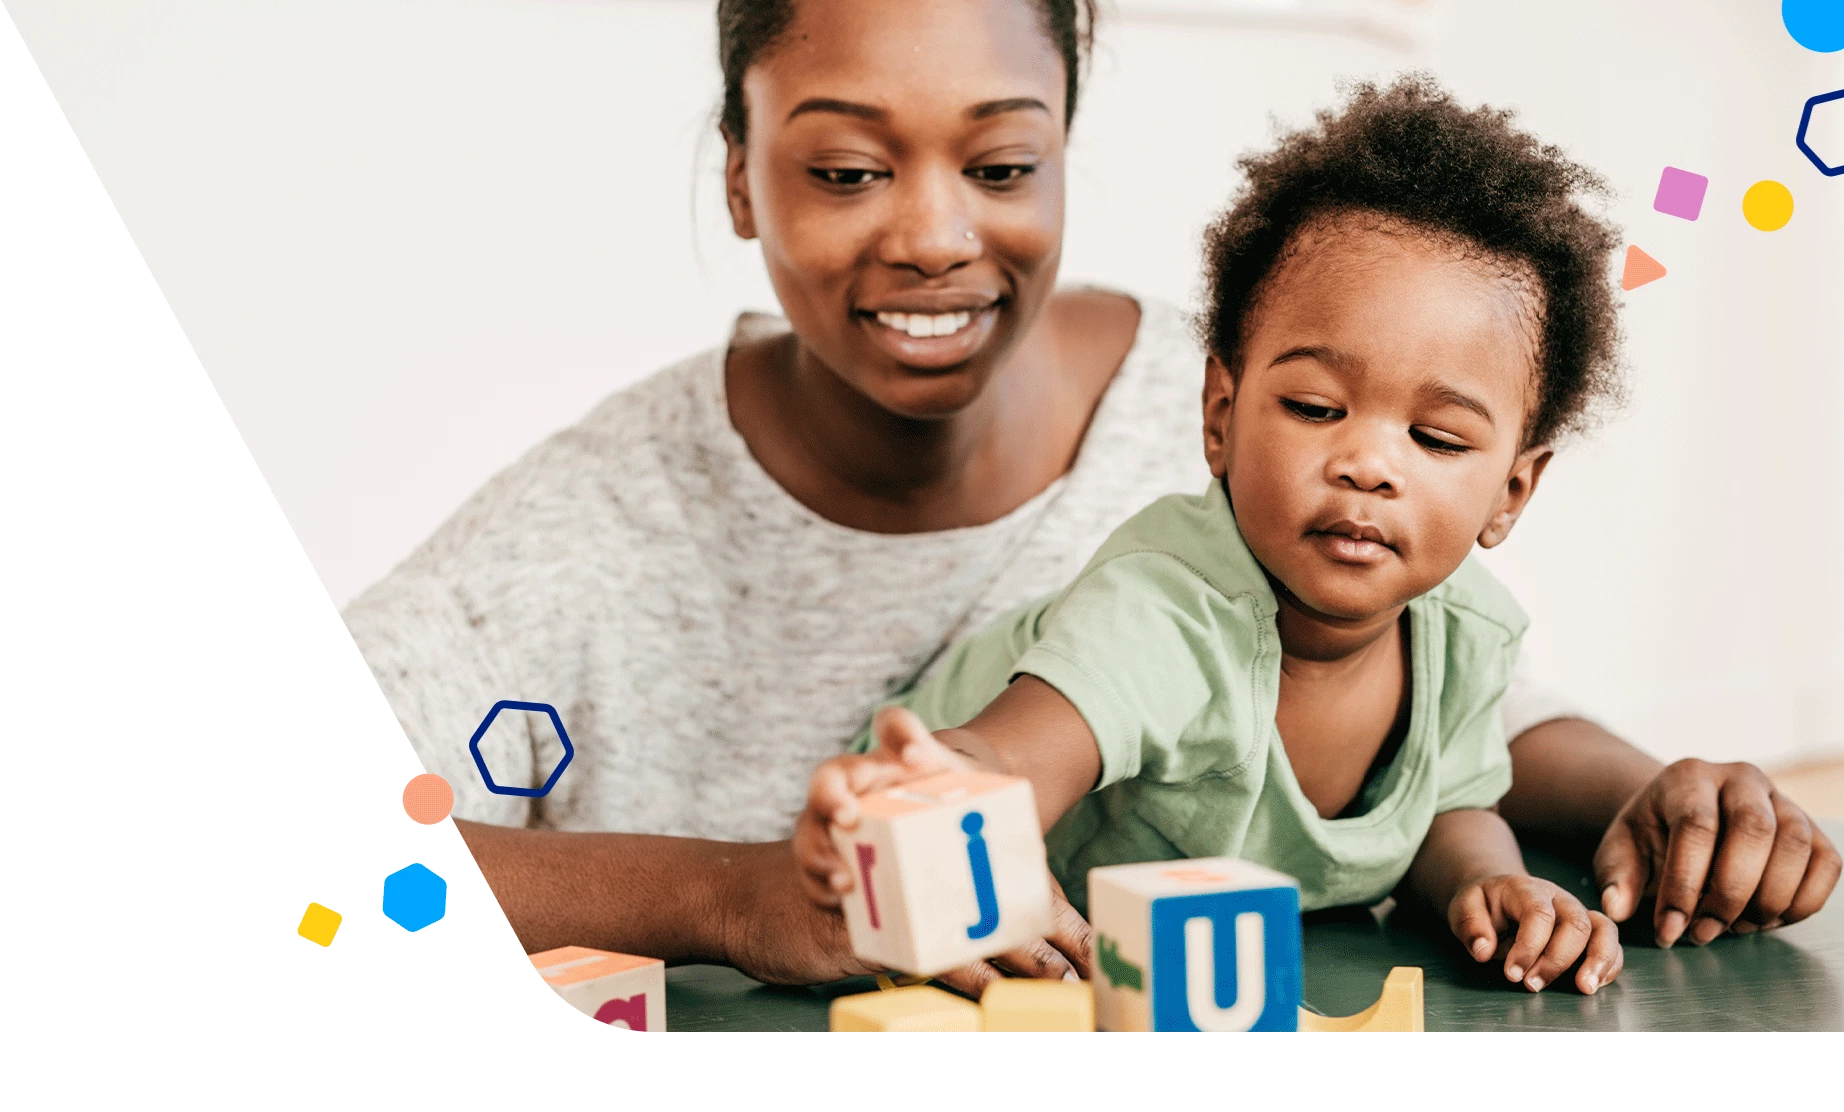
(569, 751)
(1805, 121)
(414, 873)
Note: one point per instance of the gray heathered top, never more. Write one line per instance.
(706, 638)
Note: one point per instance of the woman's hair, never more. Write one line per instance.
(1409, 152)
(748, 29)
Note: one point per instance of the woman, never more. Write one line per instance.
(727, 554)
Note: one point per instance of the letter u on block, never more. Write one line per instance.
(1201, 974)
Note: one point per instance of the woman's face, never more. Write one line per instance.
(904, 172)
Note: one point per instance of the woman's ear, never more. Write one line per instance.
(1219, 403)
(736, 187)
(1522, 483)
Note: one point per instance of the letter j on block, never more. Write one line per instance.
(1206, 945)
(949, 869)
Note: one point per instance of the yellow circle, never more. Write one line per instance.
(1768, 205)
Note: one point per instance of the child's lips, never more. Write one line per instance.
(1348, 549)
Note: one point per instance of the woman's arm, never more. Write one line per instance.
(1716, 843)
(688, 900)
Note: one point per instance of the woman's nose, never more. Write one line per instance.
(931, 230)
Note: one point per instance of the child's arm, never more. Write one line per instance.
(1470, 868)
(1030, 730)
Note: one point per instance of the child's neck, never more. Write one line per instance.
(1311, 638)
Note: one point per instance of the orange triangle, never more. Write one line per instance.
(1640, 269)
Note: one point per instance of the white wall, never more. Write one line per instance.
(409, 238)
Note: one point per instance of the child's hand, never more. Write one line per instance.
(905, 751)
(1553, 930)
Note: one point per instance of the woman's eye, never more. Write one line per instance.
(1308, 411)
(1439, 444)
(1000, 175)
(847, 176)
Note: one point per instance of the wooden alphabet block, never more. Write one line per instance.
(1019, 1004)
(617, 989)
(916, 1008)
(1398, 1009)
(1211, 944)
(947, 870)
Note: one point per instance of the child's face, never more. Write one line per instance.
(1374, 433)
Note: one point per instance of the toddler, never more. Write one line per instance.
(1302, 666)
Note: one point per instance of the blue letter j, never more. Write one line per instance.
(982, 876)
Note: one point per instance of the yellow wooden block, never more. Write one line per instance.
(1398, 1009)
(1034, 1005)
(916, 1008)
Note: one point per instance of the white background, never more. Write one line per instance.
(410, 238)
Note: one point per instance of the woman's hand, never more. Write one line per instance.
(905, 751)
(1554, 930)
(1721, 849)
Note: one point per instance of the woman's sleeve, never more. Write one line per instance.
(1528, 703)
(441, 675)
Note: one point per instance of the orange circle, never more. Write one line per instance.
(428, 798)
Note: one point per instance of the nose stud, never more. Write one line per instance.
(969, 233)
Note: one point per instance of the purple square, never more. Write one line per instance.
(1680, 193)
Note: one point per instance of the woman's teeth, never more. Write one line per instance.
(920, 325)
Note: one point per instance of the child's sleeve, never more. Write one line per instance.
(1142, 646)
(1475, 760)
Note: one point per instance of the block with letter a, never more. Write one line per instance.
(620, 990)
(1211, 944)
(946, 870)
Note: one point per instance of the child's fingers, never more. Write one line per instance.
(1536, 918)
(830, 798)
(1604, 958)
(1471, 919)
(902, 735)
(1568, 938)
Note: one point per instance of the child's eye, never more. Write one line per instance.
(1004, 174)
(1440, 444)
(846, 177)
(1308, 411)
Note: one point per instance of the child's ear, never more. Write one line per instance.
(1525, 473)
(736, 187)
(1219, 403)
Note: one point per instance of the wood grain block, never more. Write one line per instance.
(1210, 944)
(947, 870)
(1398, 1009)
(916, 1008)
(620, 990)
(1019, 1004)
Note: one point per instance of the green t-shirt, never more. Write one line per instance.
(1166, 644)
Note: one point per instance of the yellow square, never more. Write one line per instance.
(319, 924)
(1031, 1005)
(918, 1008)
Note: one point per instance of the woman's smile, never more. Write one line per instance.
(930, 341)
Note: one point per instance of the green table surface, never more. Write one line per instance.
(1791, 979)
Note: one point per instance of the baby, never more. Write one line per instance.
(1302, 666)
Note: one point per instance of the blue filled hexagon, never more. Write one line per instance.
(414, 897)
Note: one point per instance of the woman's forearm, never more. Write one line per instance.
(1570, 777)
(633, 893)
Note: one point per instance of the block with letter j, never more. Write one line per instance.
(1211, 944)
(946, 870)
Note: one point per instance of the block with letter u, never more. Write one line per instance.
(1211, 944)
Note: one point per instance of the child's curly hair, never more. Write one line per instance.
(1410, 152)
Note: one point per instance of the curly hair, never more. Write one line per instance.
(748, 29)
(1411, 153)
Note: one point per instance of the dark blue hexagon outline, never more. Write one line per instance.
(1805, 121)
(473, 746)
